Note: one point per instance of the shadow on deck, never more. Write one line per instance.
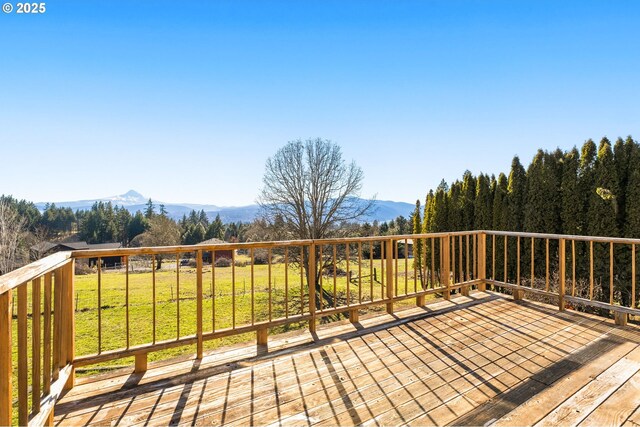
(470, 361)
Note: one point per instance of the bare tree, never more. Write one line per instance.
(12, 229)
(312, 192)
(163, 231)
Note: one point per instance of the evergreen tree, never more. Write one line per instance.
(516, 193)
(572, 212)
(482, 209)
(632, 210)
(468, 200)
(586, 183)
(150, 210)
(500, 207)
(603, 207)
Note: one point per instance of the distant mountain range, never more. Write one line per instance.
(134, 201)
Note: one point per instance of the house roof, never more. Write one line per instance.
(213, 241)
(74, 246)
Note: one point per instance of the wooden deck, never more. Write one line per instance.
(471, 361)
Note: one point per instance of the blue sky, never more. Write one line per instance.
(185, 101)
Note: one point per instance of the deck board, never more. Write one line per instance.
(470, 361)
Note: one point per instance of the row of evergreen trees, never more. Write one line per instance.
(594, 191)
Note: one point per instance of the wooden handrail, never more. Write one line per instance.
(34, 270)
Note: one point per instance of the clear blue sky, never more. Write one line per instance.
(184, 101)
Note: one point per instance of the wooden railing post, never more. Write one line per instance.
(70, 323)
(199, 303)
(445, 250)
(312, 287)
(6, 398)
(389, 274)
(562, 267)
(482, 261)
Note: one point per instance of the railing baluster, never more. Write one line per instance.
(69, 331)
(563, 273)
(301, 280)
(335, 278)
(493, 257)
(6, 392)
(177, 296)
(46, 363)
(389, 272)
(233, 288)
(347, 255)
(533, 256)
(482, 270)
(395, 245)
(547, 268)
(406, 268)
(321, 302)
(518, 262)
(359, 272)
(468, 260)
(371, 269)
(312, 287)
(453, 259)
(611, 273)
(35, 345)
(56, 323)
(591, 270)
(475, 256)
(100, 306)
(253, 287)
(199, 343)
(23, 391)
(286, 283)
(383, 276)
(460, 273)
(433, 262)
(633, 276)
(126, 304)
(269, 280)
(506, 260)
(573, 268)
(153, 294)
(213, 291)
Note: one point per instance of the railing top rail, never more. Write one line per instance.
(33, 270)
(50, 263)
(95, 253)
(603, 239)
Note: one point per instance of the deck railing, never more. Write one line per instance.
(264, 286)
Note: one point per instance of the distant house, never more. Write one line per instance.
(47, 248)
(223, 253)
